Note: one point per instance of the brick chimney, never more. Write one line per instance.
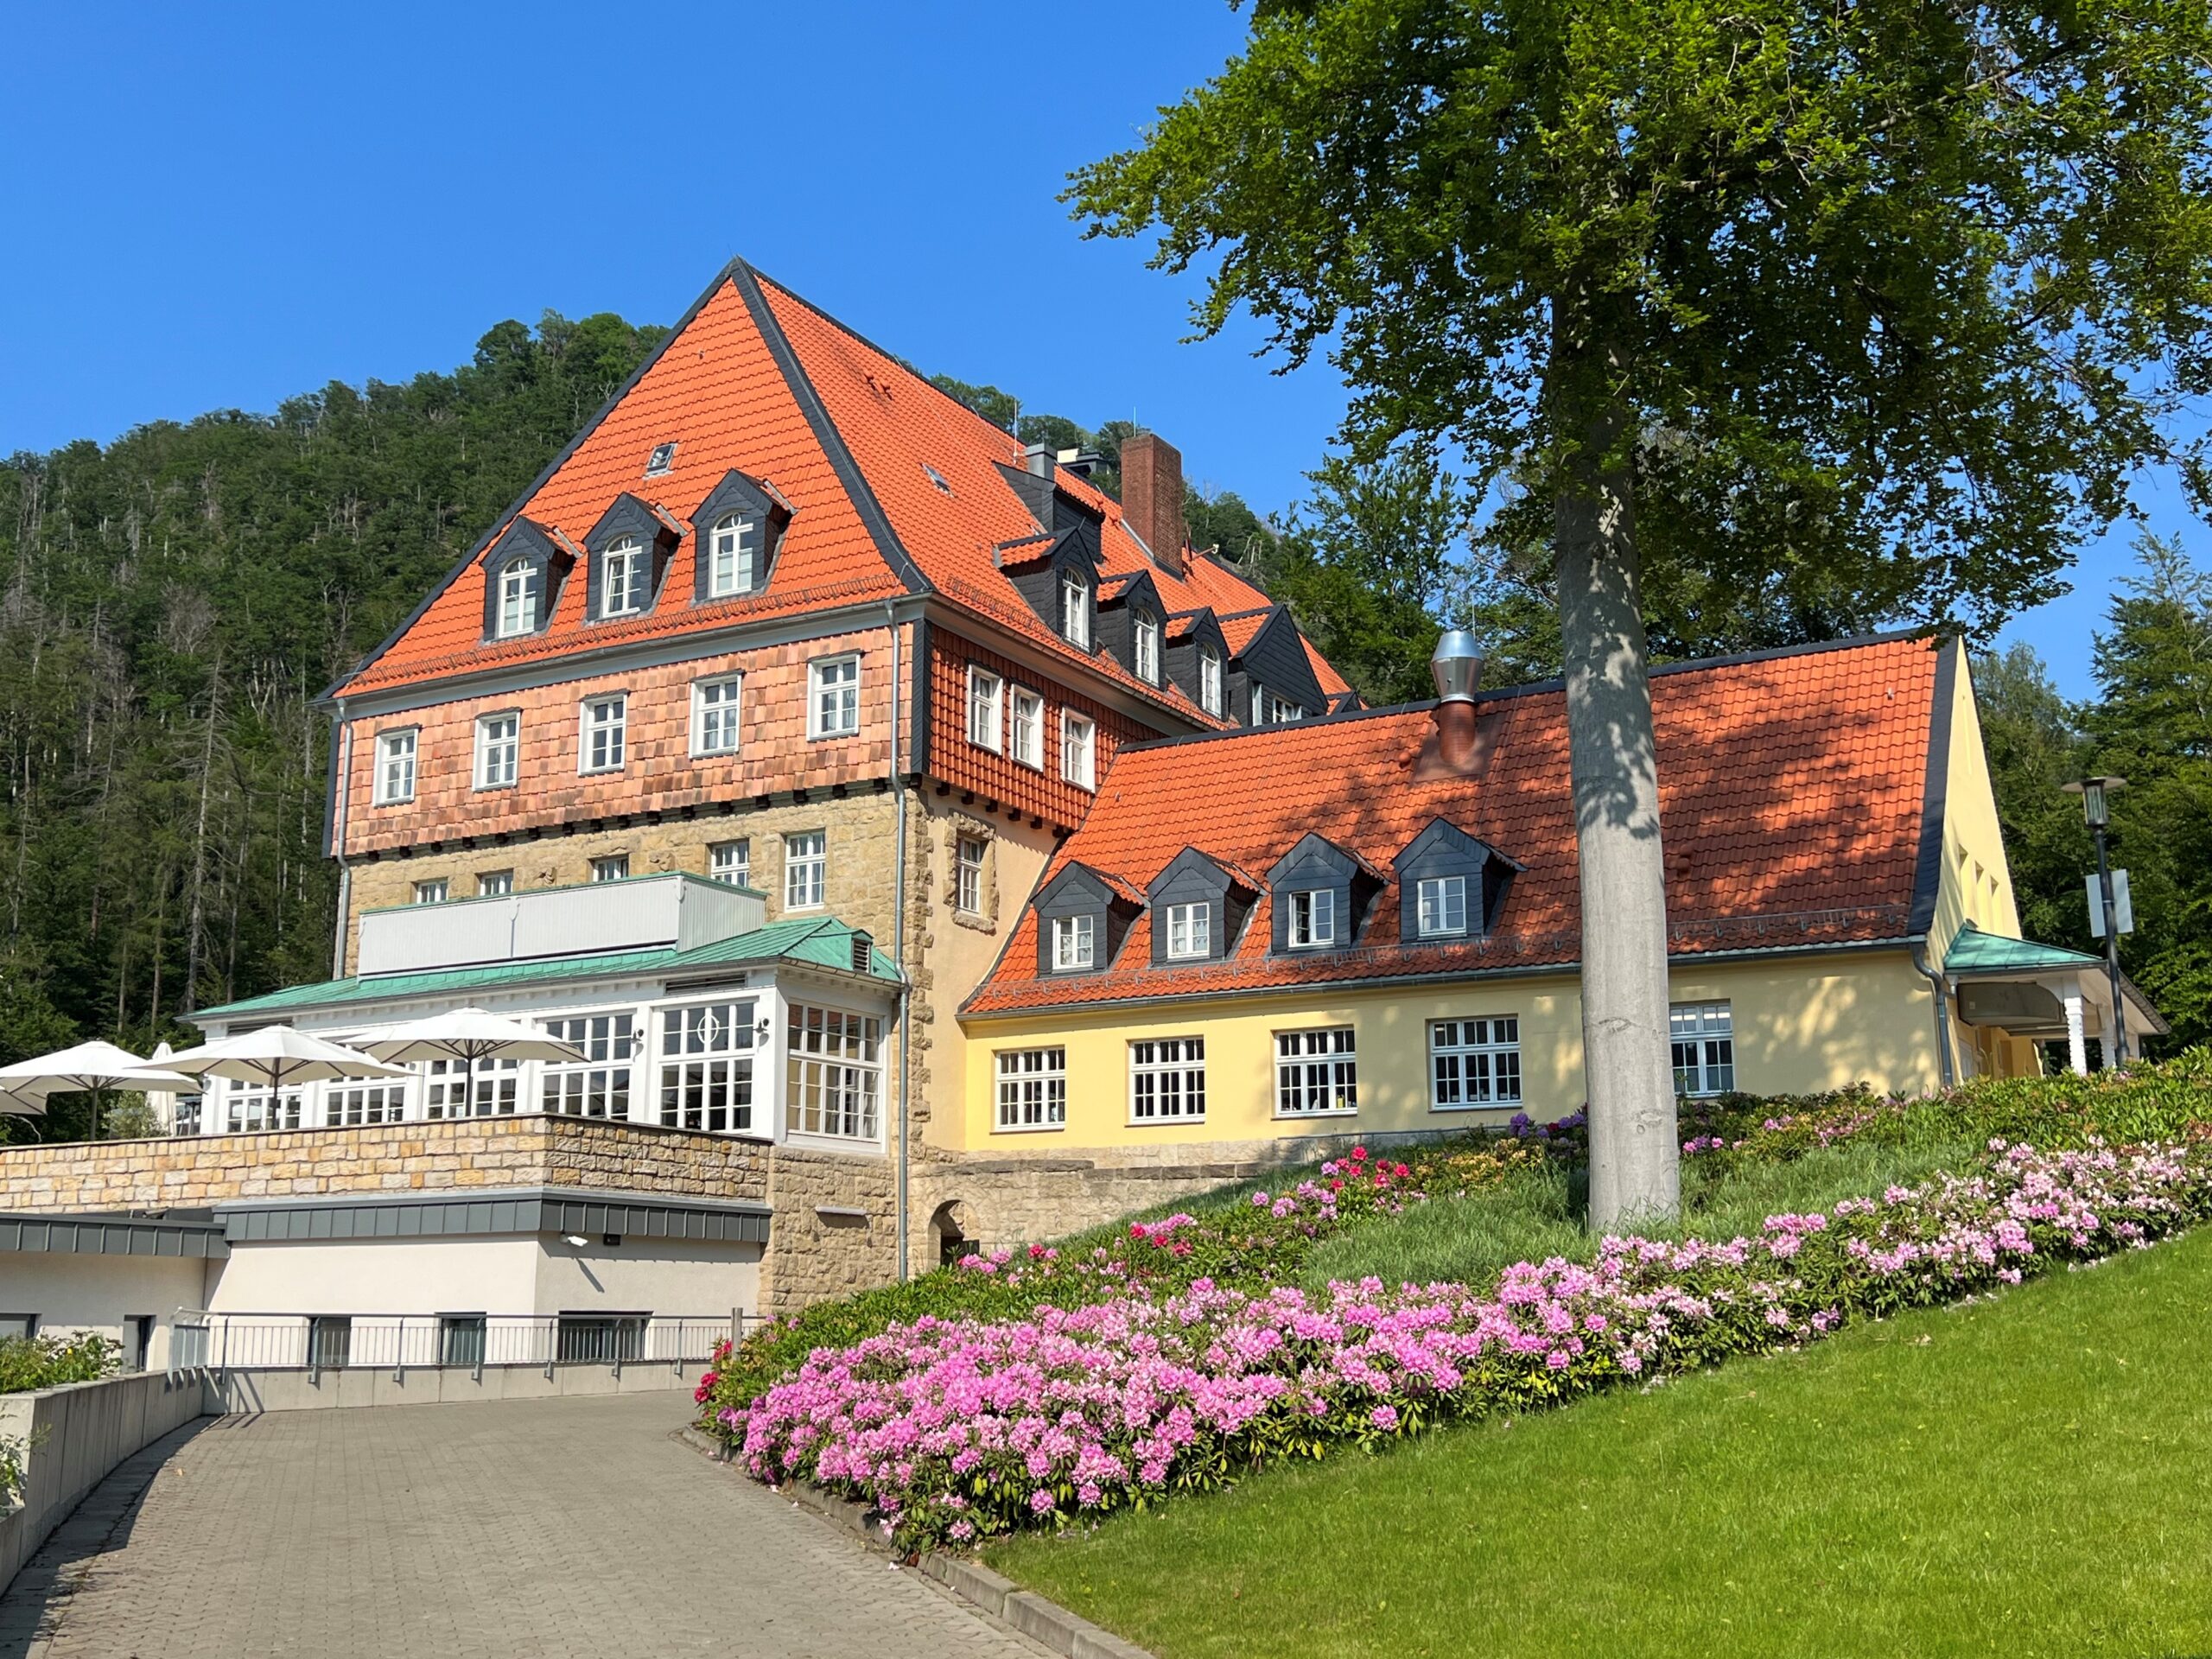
(1152, 497)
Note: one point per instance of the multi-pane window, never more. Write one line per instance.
(461, 1339)
(835, 1073)
(1316, 1071)
(257, 1109)
(351, 1104)
(614, 866)
(1209, 679)
(834, 709)
(498, 750)
(1075, 611)
(1474, 1062)
(1028, 728)
(435, 891)
(1268, 710)
(731, 862)
(1144, 645)
(1167, 1080)
(622, 578)
(706, 1071)
(733, 556)
(395, 767)
(605, 733)
(1440, 905)
(495, 884)
(1312, 918)
(598, 1085)
(1190, 930)
(1074, 943)
(1078, 745)
(985, 692)
(518, 600)
(967, 875)
(455, 1088)
(714, 715)
(1032, 1088)
(806, 870)
(1704, 1037)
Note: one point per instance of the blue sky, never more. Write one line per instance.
(218, 207)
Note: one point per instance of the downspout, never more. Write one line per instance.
(899, 929)
(1944, 1066)
(345, 740)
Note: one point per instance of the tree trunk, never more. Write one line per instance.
(1635, 1148)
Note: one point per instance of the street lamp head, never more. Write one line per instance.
(2096, 809)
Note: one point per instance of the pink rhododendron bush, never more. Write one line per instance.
(956, 1429)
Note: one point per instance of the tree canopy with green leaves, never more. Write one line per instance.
(1875, 306)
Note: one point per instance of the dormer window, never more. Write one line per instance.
(1443, 907)
(622, 578)
(1189, 930)
(1074, 944)
(1145, 646)
(1312, 920)
(1210, 679)
(734, 555)
(1269, 709)
(518, 597)
(1075, 611)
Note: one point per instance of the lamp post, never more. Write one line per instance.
(2097, 811)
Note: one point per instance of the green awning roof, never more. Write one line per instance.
(1973, 951)
(817, 942)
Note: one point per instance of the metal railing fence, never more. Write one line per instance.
(315, 1343)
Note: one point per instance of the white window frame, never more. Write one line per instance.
(498, 758)
(707, 1079)
(1074, 943)
(1474, 1063)
(518, 600)
(1189, 931)
(1167, 1080)
(1269, 709)
(353, 1105)
(1210, 678)
(833, 1073)
(1078, 750)
(1026, 718)
(398, 754)
(623, 558)
(1144, 646)
(1313, 922)
(801, 892)
(714, 707)
(968, 884)
(437, 890)
(733, 548)
(610, 867)
(494, 884)
(1435, 897)
(1032, 1091)
(1702, 1038)
(833, 697)
(731, 862)
(1075, 610)
(1317, 1073)
(610, 732)
(986, 708)
(447, 1091)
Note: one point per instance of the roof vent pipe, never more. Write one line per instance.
(1038, 460)
(1455, 748)
(1456, 665)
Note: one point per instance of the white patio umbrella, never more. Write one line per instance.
(277, 1057)
(88, 1068)
(467, 1036)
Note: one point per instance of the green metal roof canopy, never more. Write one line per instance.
(1973, 951)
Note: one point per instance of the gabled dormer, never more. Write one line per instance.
(1271, 679)
(1058, 576)
(1083, 915)
(1198, 660)
(523, 574)
(1450, 885)
(1132, 625)
(1198, 905)
(736, 531)
(628, 551)
(1321, 893)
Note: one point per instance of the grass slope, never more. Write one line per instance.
(2024, 1476)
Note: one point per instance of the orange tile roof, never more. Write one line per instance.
(1790, 786)
(900, 493)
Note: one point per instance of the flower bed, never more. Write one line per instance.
(953, 1430)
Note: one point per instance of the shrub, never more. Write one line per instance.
(46, 1361)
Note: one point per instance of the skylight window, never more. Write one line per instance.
(936, 478)
(663, 457)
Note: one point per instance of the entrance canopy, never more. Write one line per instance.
(2043, 993)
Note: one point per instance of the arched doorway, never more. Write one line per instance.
(949, 1226)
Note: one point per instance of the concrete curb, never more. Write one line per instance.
(1042, 1621)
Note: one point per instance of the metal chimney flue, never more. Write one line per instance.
(1456, 665)
(1458, 746)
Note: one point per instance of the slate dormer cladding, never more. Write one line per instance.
(1194, 878)
(525, 543)
(1184, 632)
(1318, 865)
(1036, 568)
(1120, 599)
(1444, 850)
(737, 494)
(1273, 656)
(1078, 890)
(628, 516)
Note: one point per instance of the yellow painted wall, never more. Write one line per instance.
(1803, 1023)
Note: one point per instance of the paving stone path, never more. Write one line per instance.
(540, 1528)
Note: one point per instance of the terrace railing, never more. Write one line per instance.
(316, 1343)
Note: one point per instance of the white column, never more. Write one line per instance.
(2077, 1046)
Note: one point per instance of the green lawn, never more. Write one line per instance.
(2030, 1475)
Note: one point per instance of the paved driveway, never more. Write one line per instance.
(540, 1528)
